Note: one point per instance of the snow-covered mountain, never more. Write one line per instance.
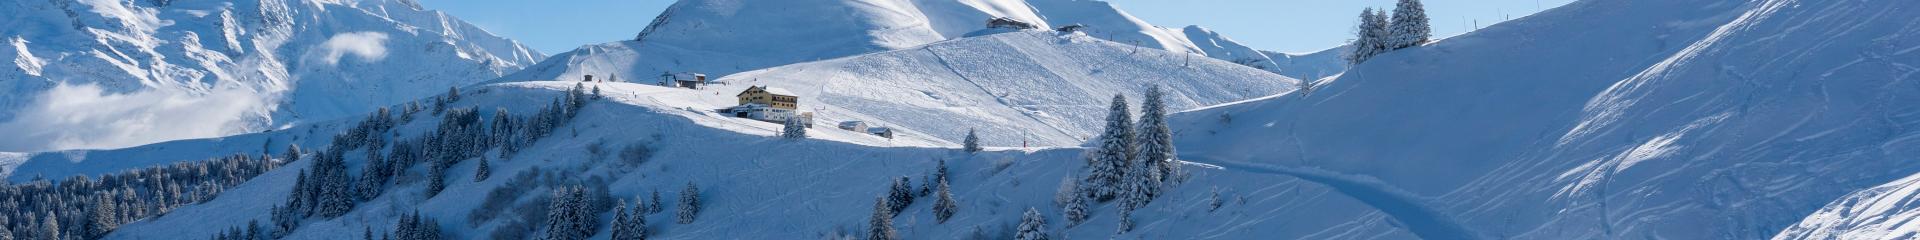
(1603, 119)
(1882, 212)
(721, 37)
(1036, 88)
(149, 71)
(822, 187)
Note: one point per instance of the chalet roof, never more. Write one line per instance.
(773, 90)
(780, 91)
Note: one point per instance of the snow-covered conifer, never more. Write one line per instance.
(944, 206)
(1032, 226)
(1141, 186)
(100, 219)
(629, 226)
(793, 128)
(1409, 27)
(940, 171)
(1214, 201)
(436, 178)
(1156, 138)
(655, 205)
(689, 204)
(899, 196)
(1076, 210)
(481, 172)
(880, 226)
(569, 216)
(49, 227)
(972, 143)
(1372, 37)
(620, 217)
(1111, 158)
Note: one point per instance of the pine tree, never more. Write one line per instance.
(1126, 221)
(100, 219)
(373, 178)
(972, 143)
(898, 196)
(944, 206)
(940, 171)
(656, 205)
(619, 221)
(482, 172)
(629, 226)
(5, 233)
(1111, 158)
(1032, 226)
(334, 195)
(1142, 184)
(1156, 138)
(1372, 37)
(1076, 209)
(793, 128)
(436, 178)
(49, 227)
(1409, 27)
(689, 204)
(880, 226)
(636, 225)
(568, 216)
(1214, 201)
(253, 230)
(300, 200)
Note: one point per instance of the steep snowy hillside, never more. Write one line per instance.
(1311, 66)
(1604, 119)
(1039, 88)
(1883, 212)
(721, 37)
(207, 68)
(746, 177)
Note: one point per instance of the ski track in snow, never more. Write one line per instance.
(1411, 210)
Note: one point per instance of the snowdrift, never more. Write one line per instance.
(1607, 119)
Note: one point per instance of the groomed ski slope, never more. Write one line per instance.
(811, 188)
(1032, 87)
(1610, 119)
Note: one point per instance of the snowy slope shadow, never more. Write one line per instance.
(1407, 208)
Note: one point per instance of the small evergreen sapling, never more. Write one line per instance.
(972, 143)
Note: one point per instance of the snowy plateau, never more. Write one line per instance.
(338, 119)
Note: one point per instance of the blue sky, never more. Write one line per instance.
(1280, 25)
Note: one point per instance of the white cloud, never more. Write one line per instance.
(86, 117)
(368, 46)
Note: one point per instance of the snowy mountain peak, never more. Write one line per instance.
(268, 62)
(722, 37)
